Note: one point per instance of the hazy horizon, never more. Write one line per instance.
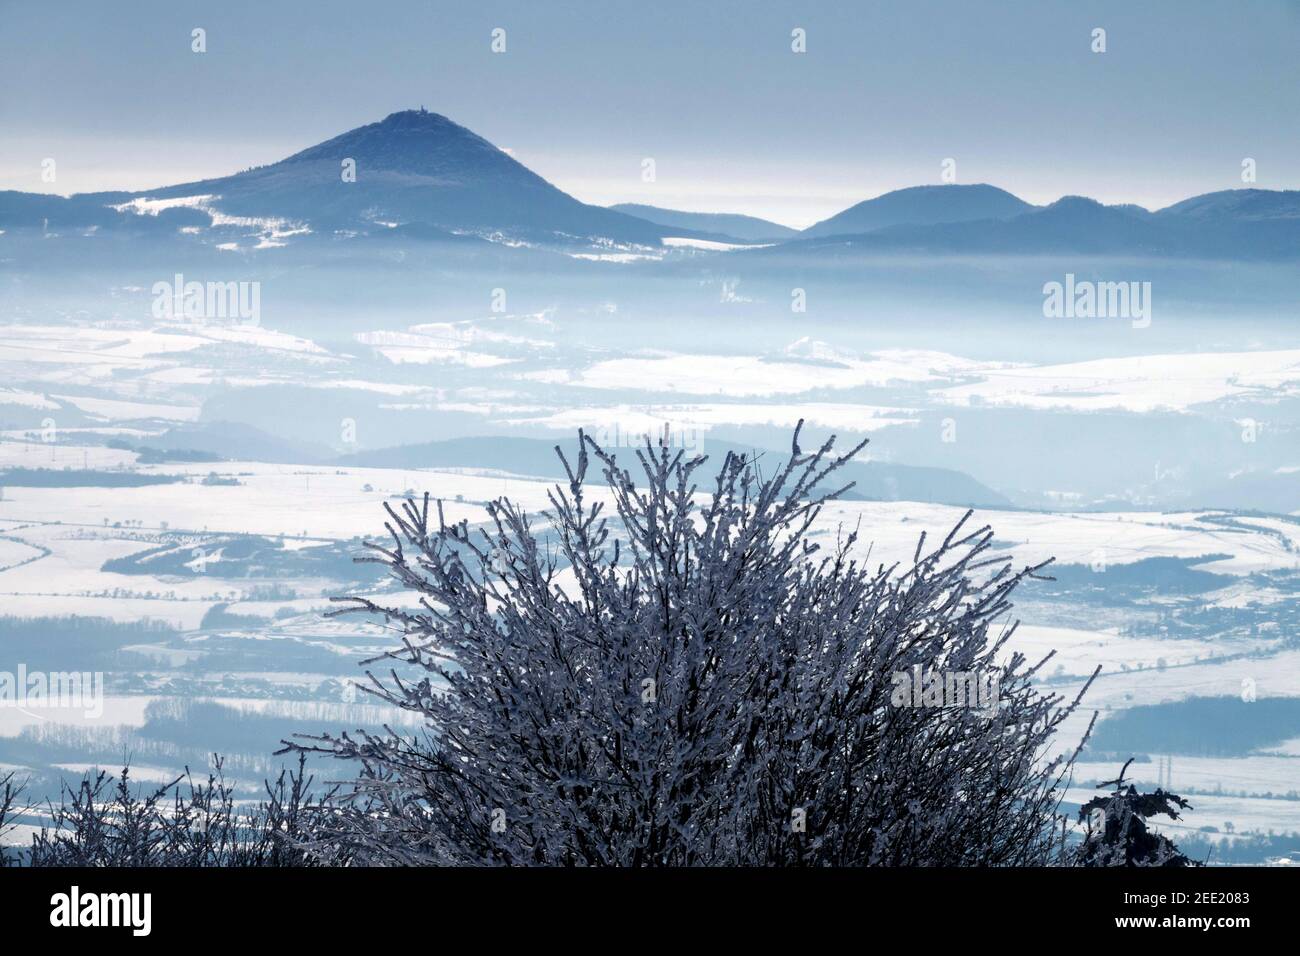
(735, 202)
(878, 101)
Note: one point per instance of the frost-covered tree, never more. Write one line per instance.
(103, 822)
(10, 794)
(1118, 833)
(651, 674)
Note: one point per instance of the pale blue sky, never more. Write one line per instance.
(710, 90)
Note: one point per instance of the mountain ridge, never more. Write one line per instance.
(535, 457)
(1210, 226)
(921, 206)
(422, 177)
(413, 167)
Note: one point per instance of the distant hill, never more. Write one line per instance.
(1276, 492)
(416, 167)
(412, 168)
(1239, 205)
(20, 210)
(922, 206)
(876, 481)
(420, 178)
(1209, 227)
(717, 225)
(233, 441)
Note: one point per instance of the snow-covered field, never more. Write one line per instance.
(1101, 539)
(261, 647)
(1137, 384)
